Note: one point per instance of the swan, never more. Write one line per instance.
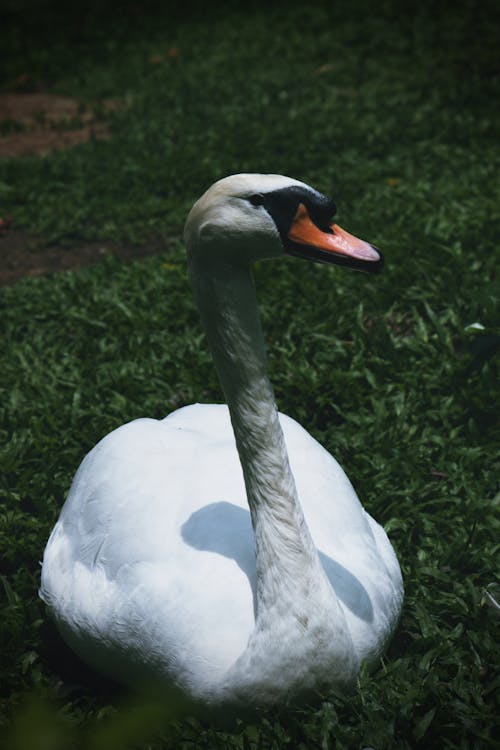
(221, 554)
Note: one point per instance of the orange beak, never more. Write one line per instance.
(343, 247)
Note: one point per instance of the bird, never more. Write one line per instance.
(221, 554)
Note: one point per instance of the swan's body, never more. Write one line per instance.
(188, 554)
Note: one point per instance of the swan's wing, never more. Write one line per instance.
(154, 546)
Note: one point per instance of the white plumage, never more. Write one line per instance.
(188, 557)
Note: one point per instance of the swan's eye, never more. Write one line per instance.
(257, 199)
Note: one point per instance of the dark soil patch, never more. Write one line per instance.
(22, 254)
(36, 124)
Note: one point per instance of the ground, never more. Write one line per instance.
(24, 254)
(38, 124)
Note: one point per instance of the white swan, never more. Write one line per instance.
(223, 553)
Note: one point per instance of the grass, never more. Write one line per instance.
(394, 116)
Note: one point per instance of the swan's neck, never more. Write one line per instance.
(298, 613)
(286, 557)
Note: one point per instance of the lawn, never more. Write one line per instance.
(394, 116)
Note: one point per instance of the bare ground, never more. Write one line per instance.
(37, 124)
(43, 123)
(22, 254)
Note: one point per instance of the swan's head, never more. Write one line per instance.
(246, 217)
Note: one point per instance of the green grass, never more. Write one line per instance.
(395, 118)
